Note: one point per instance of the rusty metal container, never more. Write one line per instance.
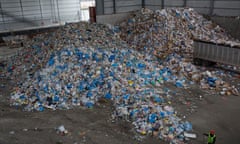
(92, 14)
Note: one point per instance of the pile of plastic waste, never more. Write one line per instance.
(169, 34)
(81, 63)
(37, 50)
(188, 72)
(80, 76)
(78, 64)
(170, 30)
(15, 41)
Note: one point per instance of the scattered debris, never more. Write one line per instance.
(190, 135)
(12, 132)
(61, 130)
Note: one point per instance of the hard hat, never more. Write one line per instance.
(212, 132)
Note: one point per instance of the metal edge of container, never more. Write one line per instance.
(220, 44)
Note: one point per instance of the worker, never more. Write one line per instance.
(211, 137)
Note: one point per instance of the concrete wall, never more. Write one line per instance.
(29, 14)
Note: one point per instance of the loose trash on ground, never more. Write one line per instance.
(12, 132)
(190, 135)
(61, 130)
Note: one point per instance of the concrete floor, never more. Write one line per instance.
(221, 114)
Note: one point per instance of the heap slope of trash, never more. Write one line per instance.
(169, 34)
(79, 64)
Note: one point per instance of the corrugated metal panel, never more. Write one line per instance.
(122, 6)
(19, 14)
(108, 10)
(227, 4)
(173, 3)
(226, 12)
(167, 3)
(198, 4)
(154, 7)
(127, 8)
(202, 10)
(217, 53)
(68, 10)
(153, 2)
(122, 3)
(108, 4)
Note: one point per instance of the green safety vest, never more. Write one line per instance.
(211, 139)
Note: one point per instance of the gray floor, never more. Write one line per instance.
(221, 114)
